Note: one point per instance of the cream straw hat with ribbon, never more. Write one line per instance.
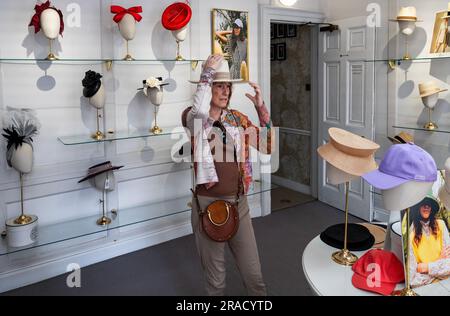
(222, 74)
(429, 88)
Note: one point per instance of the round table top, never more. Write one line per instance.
(328, 278)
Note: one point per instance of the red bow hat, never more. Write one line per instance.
(120, 12)
(176, 16)
(378, 271)
(36, 19)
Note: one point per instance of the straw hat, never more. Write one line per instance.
(378, 232)
(348, 152)
(407, 14)
(401, 138)
(223, 74)
(429, 88)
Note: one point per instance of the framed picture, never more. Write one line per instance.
(440, 40)
(272, 52)
(230, 39)
(281, 51)
(291, 30)
(281, 30)
(426, 264)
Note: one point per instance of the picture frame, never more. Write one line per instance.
(280, 51)
(291, 30)
(439, 41)
(281, 31)
(272, 52)
(230, 38)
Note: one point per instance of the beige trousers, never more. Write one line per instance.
(243, 247)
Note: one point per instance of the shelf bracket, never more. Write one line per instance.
(108, 64)
(392, 64)
(194, 64)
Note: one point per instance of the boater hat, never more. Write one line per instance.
(223, 74)
(99, 169)
(401, 138)
(407, 14)
(176, 16)
(348, 152)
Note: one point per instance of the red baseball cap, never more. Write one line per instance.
(176, 16)
(378, 271)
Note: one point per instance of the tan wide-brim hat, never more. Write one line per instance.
(401, 138)
(349, 152)
(378, 232)
(222, 74)
(429, 88)
(407, 14)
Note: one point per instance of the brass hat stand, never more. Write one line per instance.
(22, 219)
(98, 135)
(344, 256)
(104, 220)
(430, 125)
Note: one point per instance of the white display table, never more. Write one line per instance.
(328, 278)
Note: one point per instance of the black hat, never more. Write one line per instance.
(359, 237)
(99, 169)
(91, 83)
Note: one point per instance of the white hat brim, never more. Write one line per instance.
(214, 81)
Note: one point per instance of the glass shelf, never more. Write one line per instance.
(90, 61)
(420, 128)
(400, 60)
(61, 232)
(123, 135)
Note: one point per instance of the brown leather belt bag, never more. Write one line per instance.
(220, 220)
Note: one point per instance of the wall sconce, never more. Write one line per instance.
(288, 3)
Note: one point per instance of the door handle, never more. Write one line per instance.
(343, 55)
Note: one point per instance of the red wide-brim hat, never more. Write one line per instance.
(176, 16)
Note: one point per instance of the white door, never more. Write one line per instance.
(346, 100)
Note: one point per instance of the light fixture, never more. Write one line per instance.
(288, 3)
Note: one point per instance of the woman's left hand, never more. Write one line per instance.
(257, 98)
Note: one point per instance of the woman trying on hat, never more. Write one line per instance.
(429, 244)
(223, 171)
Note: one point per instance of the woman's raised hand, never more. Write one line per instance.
(214, 61)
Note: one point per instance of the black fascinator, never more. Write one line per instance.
(91, 83)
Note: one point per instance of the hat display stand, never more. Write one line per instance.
(94, 90)
(430, 102)
(154, 91)
(335, 177)
(180, 36)
(407, 19)
(104, 220)
(126, 19)
(50, 24)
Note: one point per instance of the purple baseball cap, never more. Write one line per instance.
(403, 163)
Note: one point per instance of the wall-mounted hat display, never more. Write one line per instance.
(176, 18)
(401, 138)
(102, 176)
(50, 20)
(349, 152)
(407, 19)
(153, 90)
(429, 92)
(390, 271)
(22, 126)
(126, 20)
(94, 89)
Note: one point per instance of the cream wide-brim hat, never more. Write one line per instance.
(429, 88)
(222, 74)
(349, 152)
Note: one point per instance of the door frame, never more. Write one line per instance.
(268, 15)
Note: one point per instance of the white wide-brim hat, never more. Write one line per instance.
(222, 74)
(429, 88)
(407, 14)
